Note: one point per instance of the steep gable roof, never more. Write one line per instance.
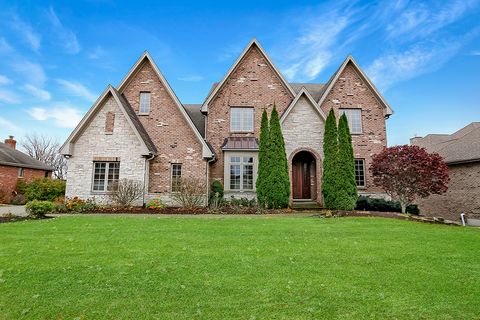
(206, 150)
(147, 144)
(15, 158)
(329, 85)
(303, 92)
(252, 43)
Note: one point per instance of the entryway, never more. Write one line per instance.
(304, 176)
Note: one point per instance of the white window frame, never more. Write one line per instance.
(228, 155)
(173, 184)
(146, 111)
(105, 178)
(21, 172)
(353, 123)
(364, 173)
(244, 125)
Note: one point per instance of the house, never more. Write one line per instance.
(17, 166)
(140, 130)
(461, 152)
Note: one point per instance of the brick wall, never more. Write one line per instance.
(9, 178)
(253, 83)
(463, 195)
(174, 139)
(350, 91)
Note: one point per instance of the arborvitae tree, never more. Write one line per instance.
(330, 154)
(263, 161)
(346, 196)
(278, 181)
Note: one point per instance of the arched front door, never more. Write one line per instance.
(303, 176)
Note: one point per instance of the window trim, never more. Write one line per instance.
(364, 186)
(105, 180)
(241, 120)
(350, 124)
(21, 172)
(171, 175)
(227, 165)
(140, 113)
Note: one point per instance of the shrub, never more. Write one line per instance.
(38, 209)
(216, 196)
(263, 160)
(242, 202)
(155, 204)
(127, 192)
(374, 204)
(191, 193)
(78, 205)
(330, 151)
(19, 199)
(42, 189)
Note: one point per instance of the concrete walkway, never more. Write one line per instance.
(16, 210)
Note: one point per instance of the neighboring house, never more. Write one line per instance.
(17, 166)
(141, 131)
(461, 152)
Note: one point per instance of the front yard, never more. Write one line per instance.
(248, 267)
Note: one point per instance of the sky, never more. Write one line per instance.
(57, 57)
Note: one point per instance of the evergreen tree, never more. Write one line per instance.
(330, 154)
(263, 161)
(278, 182)
(346, 196)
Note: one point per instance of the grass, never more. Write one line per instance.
(90, 267)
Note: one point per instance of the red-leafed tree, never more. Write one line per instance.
(407, 172)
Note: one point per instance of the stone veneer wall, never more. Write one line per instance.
(94, 142)
(303, 130)
(351, 91)
(173, 137)
(463, 195)
(253, 83)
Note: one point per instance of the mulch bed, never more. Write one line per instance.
(185, 211)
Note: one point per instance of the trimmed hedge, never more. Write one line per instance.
(44, 189)
(38, 209)
(374, 204)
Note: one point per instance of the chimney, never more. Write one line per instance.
(12, 143)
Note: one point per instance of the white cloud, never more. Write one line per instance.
(97, 53)
(77, 89)
(33, 72)
(67, 38)
(400, 66)
(475, 53)
(62, 114)
(4, 123)
(26, 31)
(37, 92)
(191, 78)
(8, 97)
(4, 80)
(420, 20)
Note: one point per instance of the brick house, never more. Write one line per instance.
(140, 130)
(15, 166)
(461, 152)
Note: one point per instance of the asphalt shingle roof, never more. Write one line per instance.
(15, 158)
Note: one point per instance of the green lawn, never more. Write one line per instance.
(261, 267)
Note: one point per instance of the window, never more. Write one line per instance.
(144, 103)
(176, 177)
(21, 172)
(46, 174)
(241, 119)
(105, 176)
(360, 172)
(241, 173)
(354, 117)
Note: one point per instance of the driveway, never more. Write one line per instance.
(16, 210)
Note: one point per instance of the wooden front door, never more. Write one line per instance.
(301, 179)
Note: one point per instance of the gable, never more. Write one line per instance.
(351, 78)
(253, 73)
(304, 99)
(166, 109)
(110, 95)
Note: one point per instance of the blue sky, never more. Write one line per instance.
(57, 57)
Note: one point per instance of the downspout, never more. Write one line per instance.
(207, 171)
(145, 182)
(462, 216)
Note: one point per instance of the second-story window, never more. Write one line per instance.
(144, 102)
(241, 119)
(354, 117)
